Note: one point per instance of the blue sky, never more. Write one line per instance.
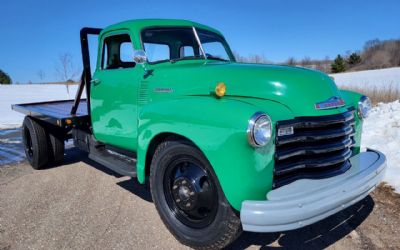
(35, 32)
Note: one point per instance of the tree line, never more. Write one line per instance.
(376, 54)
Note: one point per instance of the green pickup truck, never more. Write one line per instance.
(225, 146)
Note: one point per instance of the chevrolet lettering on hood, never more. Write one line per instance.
(333, 102)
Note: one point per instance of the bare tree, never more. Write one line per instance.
(326, 64)
(253, 58)
(257, 59)
(238, 57)
(374, 43)
(65, 69)
(306, 61)
(291, 61)
(41, 75)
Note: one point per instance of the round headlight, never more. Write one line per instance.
(259, 130)
(364, 106)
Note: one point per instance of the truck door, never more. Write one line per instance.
(114, 92)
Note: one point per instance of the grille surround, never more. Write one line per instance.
(319, 147)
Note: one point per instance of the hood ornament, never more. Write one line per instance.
(333, 102)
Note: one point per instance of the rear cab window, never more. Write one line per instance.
(117, 52)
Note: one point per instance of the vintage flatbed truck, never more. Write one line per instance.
(226, 146)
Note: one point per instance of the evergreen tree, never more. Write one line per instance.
(354, 59)
(338, 65)
(4, 78)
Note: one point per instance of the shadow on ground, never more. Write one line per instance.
(74, 155)
(317, 236)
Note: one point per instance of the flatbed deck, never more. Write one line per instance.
(55, 112)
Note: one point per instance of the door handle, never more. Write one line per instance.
(95, 81)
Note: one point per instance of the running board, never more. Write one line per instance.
(120, 163)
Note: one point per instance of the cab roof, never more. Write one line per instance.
(137, 25)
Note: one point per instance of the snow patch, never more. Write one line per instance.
(379, 78)
(381, 131)
(10, 141)
(16, 94)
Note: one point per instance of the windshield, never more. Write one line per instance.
(173, 44)
(214, 46)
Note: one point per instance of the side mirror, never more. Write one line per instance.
(139, 56)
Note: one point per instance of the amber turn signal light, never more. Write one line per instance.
(220, 89)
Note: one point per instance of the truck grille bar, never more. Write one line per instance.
(319, 147)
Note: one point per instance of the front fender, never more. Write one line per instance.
(218, 128)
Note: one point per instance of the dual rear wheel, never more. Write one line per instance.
(44, 146)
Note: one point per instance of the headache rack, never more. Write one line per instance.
(319, 147)
(67, 113)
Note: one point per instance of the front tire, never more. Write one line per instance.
(189, 199)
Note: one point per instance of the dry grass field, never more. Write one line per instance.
(388, 94)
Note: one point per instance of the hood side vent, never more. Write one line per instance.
(144, 93)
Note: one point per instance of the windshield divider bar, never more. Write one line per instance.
(198, 41)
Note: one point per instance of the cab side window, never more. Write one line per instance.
(117, 52)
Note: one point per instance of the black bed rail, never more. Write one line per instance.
(86, 74)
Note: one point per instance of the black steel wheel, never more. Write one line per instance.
(35, 142)
(190, 192)
(189, 199)
(28, 144)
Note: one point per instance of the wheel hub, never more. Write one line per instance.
(184, 193)
(190, 193)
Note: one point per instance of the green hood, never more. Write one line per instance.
(297, 88)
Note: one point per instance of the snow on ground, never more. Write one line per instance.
(380, 78)
(15, 94)
(381, 131)
(11, 149)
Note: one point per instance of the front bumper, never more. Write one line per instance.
(306, 201)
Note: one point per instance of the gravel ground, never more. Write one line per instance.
(82, 205)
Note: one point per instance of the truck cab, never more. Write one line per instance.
(225, 146)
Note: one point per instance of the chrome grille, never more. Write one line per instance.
(319, 147)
